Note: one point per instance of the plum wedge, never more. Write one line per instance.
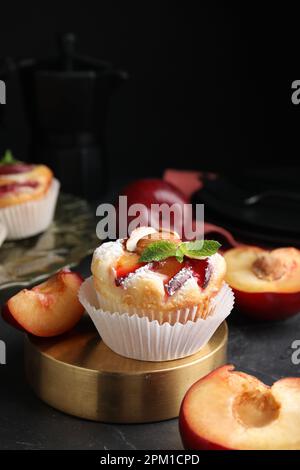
(48, 309)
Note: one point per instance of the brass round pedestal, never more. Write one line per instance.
(78, 374)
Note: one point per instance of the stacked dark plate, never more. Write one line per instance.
(256, 206)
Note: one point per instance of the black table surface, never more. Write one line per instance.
(27, 423)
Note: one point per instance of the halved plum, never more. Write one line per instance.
(231, 410)
(266, 283)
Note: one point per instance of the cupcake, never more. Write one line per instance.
(28, 195)
(156, 296)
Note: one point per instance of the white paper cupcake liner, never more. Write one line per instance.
(32, 217)
(3, 233)
(181, 315)
(140, 338)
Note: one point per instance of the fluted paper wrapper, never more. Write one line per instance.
(3, 233)
(30, 218)
(179, 316)
(140, 338)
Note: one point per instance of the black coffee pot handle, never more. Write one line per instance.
(67, 47)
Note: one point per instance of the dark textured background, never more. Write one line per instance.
(210, 84)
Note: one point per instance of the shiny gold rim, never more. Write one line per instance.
(79, 375)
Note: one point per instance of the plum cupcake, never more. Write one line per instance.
(28, 196)
(154, 297)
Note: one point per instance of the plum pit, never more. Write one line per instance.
(255, 408)
(269, 267)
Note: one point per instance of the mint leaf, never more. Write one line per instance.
(8, 158)
(158, 251)
(199, 248)
(162, 249)
(179, 254)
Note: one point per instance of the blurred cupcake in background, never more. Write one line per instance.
(28, 196)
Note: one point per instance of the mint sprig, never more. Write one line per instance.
(162, 249)
(158, 251)
(199, 248)
(8, 158)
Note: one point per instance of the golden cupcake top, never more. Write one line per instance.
(154, 270)
(21, 182)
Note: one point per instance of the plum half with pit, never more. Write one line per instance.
(266, 283)
(231, 410)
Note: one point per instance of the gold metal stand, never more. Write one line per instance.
(78, 374)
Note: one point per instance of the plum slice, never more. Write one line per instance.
(177, 281)
(15, 168)
(127, 264)
(176, 273)
(15, 186)
(48, 309)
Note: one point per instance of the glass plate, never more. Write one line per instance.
(70, 238)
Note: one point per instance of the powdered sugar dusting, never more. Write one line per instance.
(215, 261)
(144, 272)
(109, 251)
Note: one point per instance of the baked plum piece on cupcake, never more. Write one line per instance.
(153, 297)
(28, 195)
(150, 275)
